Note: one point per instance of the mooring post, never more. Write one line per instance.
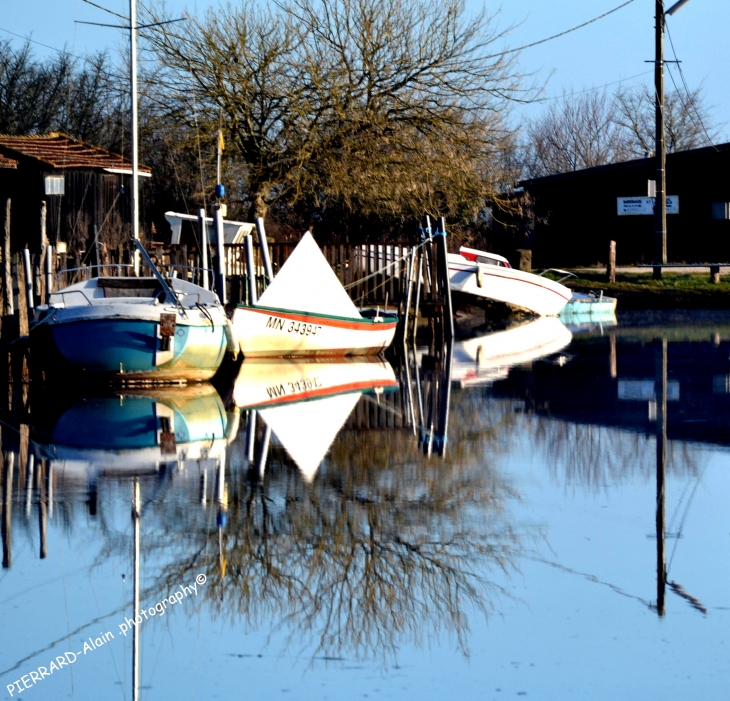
(445, 287)
(611, 268)
(250, 269)
(28, 270)
(49, 273)
(714, 274)
(419, 275)
(7, 269)
(203, 237)
(220, 276)
(409, 288)
(264, 248)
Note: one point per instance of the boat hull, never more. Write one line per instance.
(126, 345)
(270, 332)
(519, 289)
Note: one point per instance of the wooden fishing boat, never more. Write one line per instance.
(306, 401)
(306, 311)
(490, 276)
(133, 330)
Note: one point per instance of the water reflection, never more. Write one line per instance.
(363, 508)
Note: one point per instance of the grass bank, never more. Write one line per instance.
(673, 291)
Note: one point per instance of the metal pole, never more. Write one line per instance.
(135, 164)
(220, 276)
(660, 204)
(264, 248)
(446, 287)
(28, 270)
(203, 233)
(251, 270)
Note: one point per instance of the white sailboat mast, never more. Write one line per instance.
(135, 164)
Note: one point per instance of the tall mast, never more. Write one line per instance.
(135, 164)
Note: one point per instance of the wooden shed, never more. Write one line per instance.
(71, 190)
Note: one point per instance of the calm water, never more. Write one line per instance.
(349, 530)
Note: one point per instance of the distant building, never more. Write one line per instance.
(83, 187)
(577, 212)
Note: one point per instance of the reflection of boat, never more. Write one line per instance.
(134, 329)
(306, 311)
(489, 358)
(306, 402)
(137, 432)
(490, 276)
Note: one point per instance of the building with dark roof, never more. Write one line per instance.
(577, 213)
(85, 188)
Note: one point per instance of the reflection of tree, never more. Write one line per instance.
(594, 456)
(384, 547)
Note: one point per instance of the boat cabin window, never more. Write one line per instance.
(491, 261)
(129, 286)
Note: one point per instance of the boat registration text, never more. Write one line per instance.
(299, 327)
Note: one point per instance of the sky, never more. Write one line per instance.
(610, 50)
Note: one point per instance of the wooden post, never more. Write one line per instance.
(49, 272)
(714, 274)
(7, 258)
(525, 263)
(611, 268)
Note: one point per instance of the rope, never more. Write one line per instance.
(388, 265)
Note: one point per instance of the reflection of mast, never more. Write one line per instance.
(444, 400)
(136, 517)
(42, 513)
(660, 357)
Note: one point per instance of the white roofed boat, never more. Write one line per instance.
(490, 276)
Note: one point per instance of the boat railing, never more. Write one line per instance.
(88, 268)
(565, 273)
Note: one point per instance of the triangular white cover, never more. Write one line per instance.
(307, 283)
(307, 429)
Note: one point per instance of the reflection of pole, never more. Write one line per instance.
(251, 436)
(409, 392)
(7, 525)
(612, 358)
(261, 465)
(445, 399)
(42, 514)
(661, 458)
(136, 516)
(29, 484)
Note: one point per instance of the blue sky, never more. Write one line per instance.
(612, 49)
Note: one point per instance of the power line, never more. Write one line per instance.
(597, 87)
(689, 97)
(33, 41)
(561, 34)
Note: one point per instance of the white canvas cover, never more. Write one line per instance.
(307, 429)
(307, 283)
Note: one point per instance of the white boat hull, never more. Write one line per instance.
(516, 288)
(268, 332)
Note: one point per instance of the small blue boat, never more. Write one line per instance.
(133, 330)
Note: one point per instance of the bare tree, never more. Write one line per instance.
(387, 106)
(574, 133)
(687, 120)
(596, 128)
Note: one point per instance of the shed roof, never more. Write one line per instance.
(7, 162)
(62, 151)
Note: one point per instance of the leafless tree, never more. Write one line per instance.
(387, 106)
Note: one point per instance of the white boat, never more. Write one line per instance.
(306, 401)
(306, 311)
(489, 276)
(132, 330)
(488, 358)
(589, 307)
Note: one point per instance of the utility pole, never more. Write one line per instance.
(660, 203)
